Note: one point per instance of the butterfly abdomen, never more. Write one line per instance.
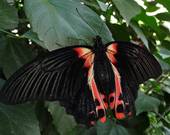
(103, 73)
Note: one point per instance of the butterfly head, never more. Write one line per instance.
(98, 44)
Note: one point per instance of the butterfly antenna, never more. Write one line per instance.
(86, 21)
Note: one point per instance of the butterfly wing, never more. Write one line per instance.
(134, 65)
(59, 75)
(135, 62)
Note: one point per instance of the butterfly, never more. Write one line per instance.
(88, 81)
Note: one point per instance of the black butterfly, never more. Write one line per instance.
(86, 80)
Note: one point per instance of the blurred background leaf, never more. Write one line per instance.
(8, 16)
(18, 120)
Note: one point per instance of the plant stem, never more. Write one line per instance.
(10, 34)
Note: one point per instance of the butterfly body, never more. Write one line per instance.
(88, 81)
(103, 73)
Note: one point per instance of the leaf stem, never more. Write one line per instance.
(10, 34)
(162, 117)
(161, 79)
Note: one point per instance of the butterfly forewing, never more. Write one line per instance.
(135, 62)
(59, 75)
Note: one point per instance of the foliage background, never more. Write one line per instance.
(31, 27)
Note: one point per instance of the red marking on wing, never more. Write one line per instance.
(103, 119)
(112, 48)
(112, 103)
(120, 115)
(82, 51)
(111, 51)
(104, 99)
(118, 93)
(96, 95)
(85, 54)
(89, 60)
(111, 58)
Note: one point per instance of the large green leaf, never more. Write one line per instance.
(63, 122)
(8, 16)
(120, 32)
(82, 130)
(59, 21)
(34, 37)
(18, 120)
(13, 55)
(128, 9)
(134, 124)
(110, 128)
(145, 103)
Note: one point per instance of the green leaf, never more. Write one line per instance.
(102, 5)
(1, 83)
(63, 122)
(163, 16)
(165, 3)
(139, 32)
(151, 8)
(120, 32)
(10, 1)
(164, 64)
(109, 128)
(3, 42)
(166, 86)
(13, 55)
(165, 53)
(151, 23)
(148, 20)
(56, 22)
(83, 130)
(93, 4)
(133, 125)
(128, 9)
(34, 37)
(167, 131)
(145, 103)
(165, 44)
(18, 120)
(8, 16)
